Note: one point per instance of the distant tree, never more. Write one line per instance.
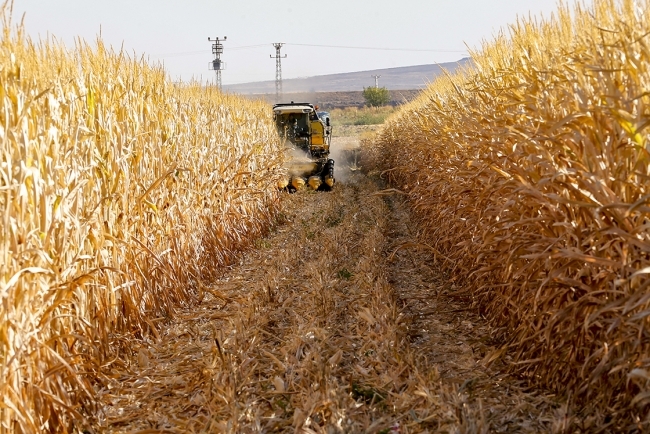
(376, 96)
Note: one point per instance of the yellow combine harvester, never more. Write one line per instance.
(309, 137)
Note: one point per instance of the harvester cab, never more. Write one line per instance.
(309, 137)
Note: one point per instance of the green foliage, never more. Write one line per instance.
(361, 116)
(371, 119)
(366, 394)
(345, 274)
(376, 96)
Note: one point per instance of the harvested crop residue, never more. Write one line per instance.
(324, 327)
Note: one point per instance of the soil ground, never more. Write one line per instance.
(336, 322)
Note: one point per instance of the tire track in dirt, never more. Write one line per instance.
(320, 328)
(454, 345)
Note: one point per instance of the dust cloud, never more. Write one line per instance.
(346, 157)
(345, 154)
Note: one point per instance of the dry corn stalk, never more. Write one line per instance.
(530, 175)
(119, 194)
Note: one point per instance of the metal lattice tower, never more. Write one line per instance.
(278, 70)
(376, 77)
(217, 65)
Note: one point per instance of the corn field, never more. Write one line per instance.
(120, 193)
(530, 177)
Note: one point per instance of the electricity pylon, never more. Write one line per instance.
(278, 70)
(217, 65)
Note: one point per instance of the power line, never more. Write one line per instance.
(382, 48)
(185, 53)
(245, 47)
(192, 53)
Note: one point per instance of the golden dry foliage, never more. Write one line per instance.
(530, 174)
(119, 194)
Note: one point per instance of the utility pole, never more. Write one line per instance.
(376, 77)
(217, 65)
(278, 70)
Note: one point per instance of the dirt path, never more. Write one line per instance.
(324, 328)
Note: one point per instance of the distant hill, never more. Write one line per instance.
(332, 100)
(407, 77)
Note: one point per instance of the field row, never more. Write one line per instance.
(120, 195)
(530, 176)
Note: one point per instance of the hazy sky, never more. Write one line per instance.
(176, 32)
